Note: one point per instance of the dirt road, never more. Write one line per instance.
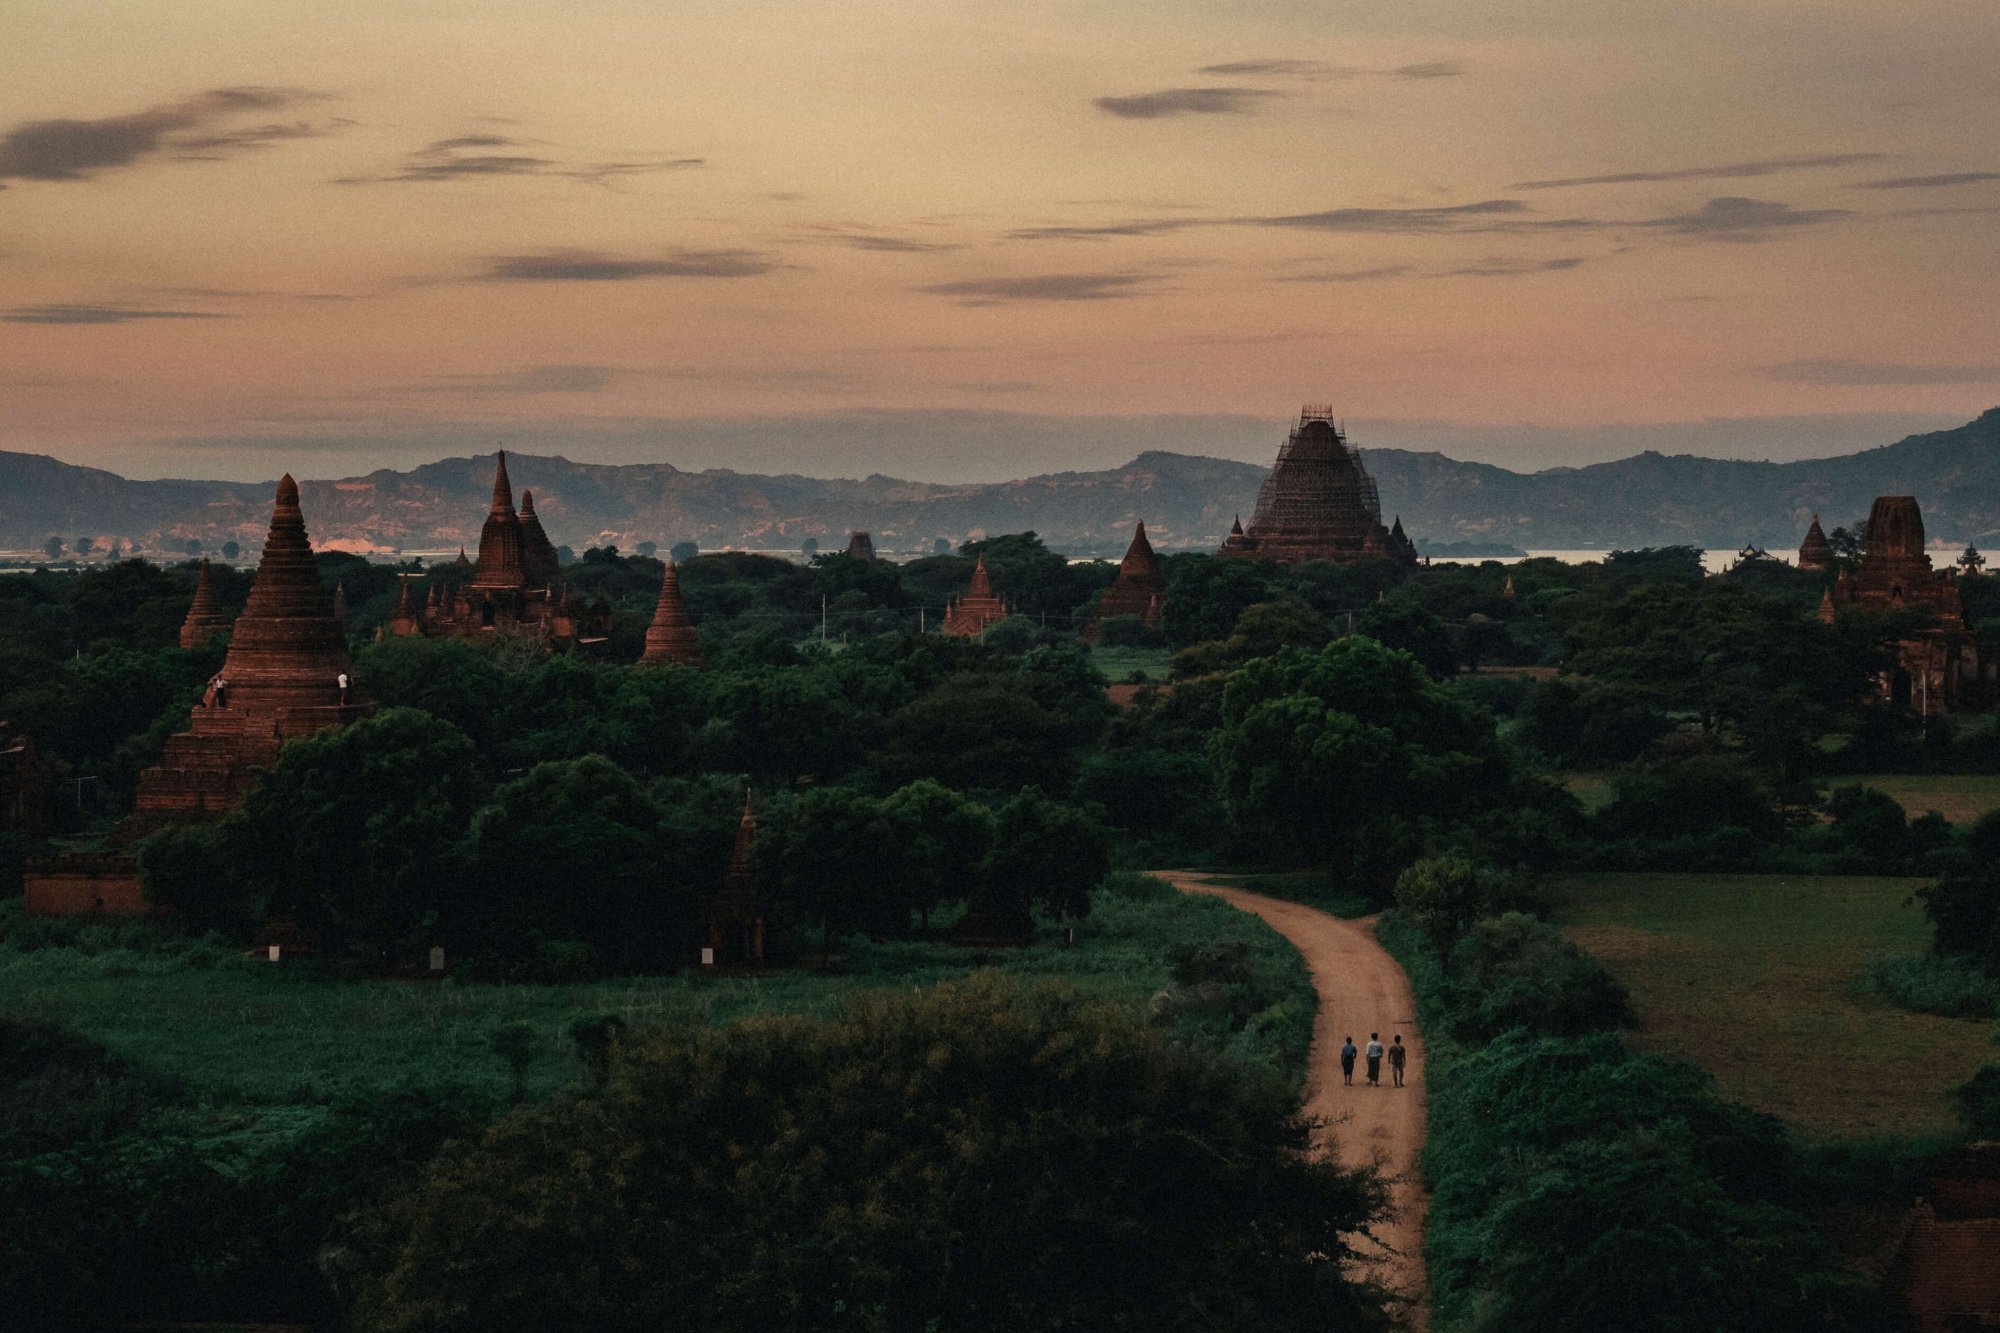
(1361, 990)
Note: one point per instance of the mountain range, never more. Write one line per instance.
(1187, 502)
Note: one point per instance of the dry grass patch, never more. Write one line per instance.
(1960, 797)
(1751, 977)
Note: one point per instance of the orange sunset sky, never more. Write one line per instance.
(951, 240)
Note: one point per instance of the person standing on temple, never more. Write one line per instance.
(341, 680)
(1398, 1053)
(221, 692)
(1347, 1054)
(1374, 1053)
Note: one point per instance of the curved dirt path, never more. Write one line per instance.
(1361, 990)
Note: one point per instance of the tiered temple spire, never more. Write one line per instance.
(735, 918)
(671, 636)
(205, 617)
(1139, 589)
(1815, 552)
(972, 613)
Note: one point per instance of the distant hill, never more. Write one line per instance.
(1650, 499)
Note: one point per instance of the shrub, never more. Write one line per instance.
(1935, 984)
(1516, 972)
(1978, 1102)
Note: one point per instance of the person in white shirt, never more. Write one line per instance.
(1374, 1054)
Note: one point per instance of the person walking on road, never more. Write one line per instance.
(1398, 1053)
(1374, 1059)
(1347, 1054)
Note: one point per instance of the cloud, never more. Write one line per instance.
(1492, 268)
(1732, 218)
(1769, 166)
(1876, 373)
(85, 313)
(529, 380)
(1319, 70)
(472, 155)
(1474, 217)
(1184, 102)
(1144, 227)
(1043, 287)
(591, 266)
(1928, 182)
(1000, 386)
(855, 238)
(192, 129)
(1355, 275)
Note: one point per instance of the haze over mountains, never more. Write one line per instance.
(1649, 499)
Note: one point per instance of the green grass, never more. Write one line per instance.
(1119, 663)
(247, 1032)
(1960, 797)
(1754, 978)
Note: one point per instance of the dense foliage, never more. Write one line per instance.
(977, 1157)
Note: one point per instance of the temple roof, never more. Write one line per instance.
(501, 562)
(205, 615)
(539, 562)
(287, 648)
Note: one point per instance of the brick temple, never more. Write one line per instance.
(671, 636)
(1815, 552)
(735, 917)
(1319, 503)
(1940, 668)
(280, 680)
(1140, 589)
(969, 615)
(516, 585)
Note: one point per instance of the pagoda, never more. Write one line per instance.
(1939, 668)
(1139, 590)
(281, 679)
(1816, 552)
(969, 615)
(1319, 503)
(735, 919)
(515, 587)
(671, 637)
(205, 617)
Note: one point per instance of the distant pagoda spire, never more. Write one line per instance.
(972, 613)
(205, 617)
(1815, 552)
(735, 919)
(1138, 590)
(671, 636)
(500, 546)
(539, 564)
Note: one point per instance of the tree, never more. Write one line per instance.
(354, 831)
(978, 730)
(1046, 854)
(978, 1156)
(193, 546)
(517, 1044)
(83, 546)
(572, 851)
(809, 547)
(682, 552)
(648, 549)
(1206, 595)
(53, 548)
(1444, 895)
(827, 857)
(231, 549)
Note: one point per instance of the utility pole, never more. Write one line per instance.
(822, 617)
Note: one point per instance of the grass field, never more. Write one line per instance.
(1593, 790)
(1960, 797)
(246, 1032)
(1118, 664)
(1751, 976)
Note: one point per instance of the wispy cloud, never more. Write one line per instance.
(1769, 166)
(1185, 102)
(527, 380)
(1101, 231)
(1491, 268)
(196, 128)
(881, 242)
(1485, 215)
(485, 155)
(88, 313)
(1326, 70)
(1928, 182)
(1732, 218)
(1877, 373)
(592, 266)
(1041, 287)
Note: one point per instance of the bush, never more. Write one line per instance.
(1516, 972)
(1935, 984)
(981, 1156)
(1978, 1102)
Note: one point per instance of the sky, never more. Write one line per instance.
(956, 241)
